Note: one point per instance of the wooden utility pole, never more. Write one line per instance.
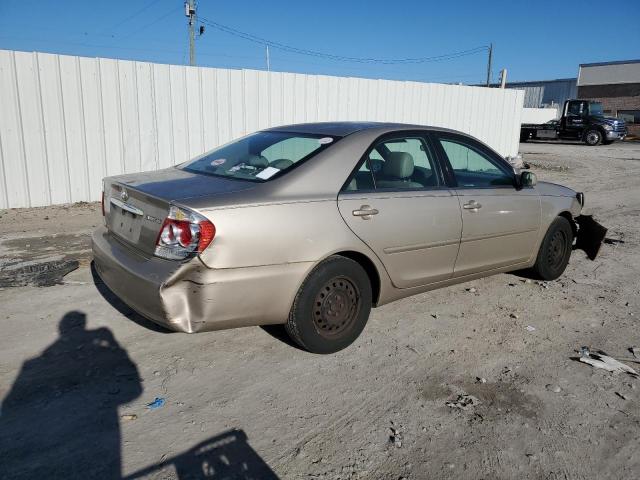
(489, 65)
(190, 11)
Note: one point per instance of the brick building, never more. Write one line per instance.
(617, 86)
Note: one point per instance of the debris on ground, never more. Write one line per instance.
(481, 380)
(42, 274)
(513, 315)
(157, 403)
(635, 351)
(472, 289)
(605, 362)
(396, 436)
(553, 388)
(531, 328)
(129, 416)
(463, 402)
(623, 397)
(612, 241)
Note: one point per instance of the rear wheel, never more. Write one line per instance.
(332, 306)
(593, 137)
(555, 250)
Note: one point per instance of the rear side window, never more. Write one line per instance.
(472, 168)
(260, 156)
(403, 163)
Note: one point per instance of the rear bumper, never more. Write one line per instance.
(189, 297)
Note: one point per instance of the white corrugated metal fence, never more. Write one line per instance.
(66, 122)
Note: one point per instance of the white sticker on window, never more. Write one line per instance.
(218, 161)
(325, 140)
(267, 173)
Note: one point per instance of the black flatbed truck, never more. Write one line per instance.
(581, 120)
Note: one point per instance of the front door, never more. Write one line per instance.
(500, 223)
(575, 119)
(398, 205)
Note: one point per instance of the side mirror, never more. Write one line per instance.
(528, 179)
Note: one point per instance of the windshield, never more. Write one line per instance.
(260, 156)
(595, 109)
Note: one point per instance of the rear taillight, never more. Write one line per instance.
(183, 234)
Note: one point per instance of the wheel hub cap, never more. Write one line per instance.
(557, 247)
(336, 306)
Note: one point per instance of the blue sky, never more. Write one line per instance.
(533, 40)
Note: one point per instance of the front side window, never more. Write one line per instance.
(575, 108)
(260, 156)
(403, 163)
(595, 109)
(472, 168)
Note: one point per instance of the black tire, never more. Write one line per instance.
(593, 137)
(331, 307)
(555, 250)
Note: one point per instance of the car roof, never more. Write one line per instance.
(342, 129)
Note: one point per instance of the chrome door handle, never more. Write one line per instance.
(365, 211)
(472, 205)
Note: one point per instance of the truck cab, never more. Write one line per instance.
(581, 120)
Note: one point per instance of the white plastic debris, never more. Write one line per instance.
(531, 328)
(396, 436)
(605, 362)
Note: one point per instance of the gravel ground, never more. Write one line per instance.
(246, 404)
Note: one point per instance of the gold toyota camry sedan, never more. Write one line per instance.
(312, 225)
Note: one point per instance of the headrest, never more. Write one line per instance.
(281, 163)
(257, 161)
(399, 165)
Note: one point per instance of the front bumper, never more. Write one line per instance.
(190, 297)
(611, 135)
(590, 235)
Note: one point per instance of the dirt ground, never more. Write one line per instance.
(246, 404)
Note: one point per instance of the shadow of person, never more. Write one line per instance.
(227, 456)
(60, 418)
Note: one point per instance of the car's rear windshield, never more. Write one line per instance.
(260, 156)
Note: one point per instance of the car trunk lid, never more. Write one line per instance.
(137, 204)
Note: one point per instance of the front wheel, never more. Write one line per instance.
(555, 250)
(331, 307)
(593, 137)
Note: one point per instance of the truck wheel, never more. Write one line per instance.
(332, 306)
(593, 137)
(555, 250)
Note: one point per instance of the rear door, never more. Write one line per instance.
(500, 223)
(397, 203)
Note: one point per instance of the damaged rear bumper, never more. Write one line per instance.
(190, 297)
(590, 235)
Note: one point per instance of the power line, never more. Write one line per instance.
(342, 58)
(133, 15)
(144, 27)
